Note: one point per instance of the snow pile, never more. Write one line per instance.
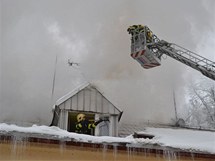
(191, 140)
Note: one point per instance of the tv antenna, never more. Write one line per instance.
(71, 63)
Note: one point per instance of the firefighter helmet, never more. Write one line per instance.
(80, 117)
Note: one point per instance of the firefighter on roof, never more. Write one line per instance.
(84, 126)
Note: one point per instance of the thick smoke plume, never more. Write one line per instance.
(93, 33)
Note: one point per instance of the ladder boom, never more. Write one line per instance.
(204, 65)
(147, 49)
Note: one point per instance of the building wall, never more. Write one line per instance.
(63, 121)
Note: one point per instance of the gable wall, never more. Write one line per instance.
(91, 100)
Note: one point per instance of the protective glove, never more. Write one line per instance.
(97, 122)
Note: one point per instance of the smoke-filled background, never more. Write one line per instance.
(93, 33)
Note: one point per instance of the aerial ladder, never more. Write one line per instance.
(147, 49)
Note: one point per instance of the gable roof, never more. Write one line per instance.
(72, 93)
(99, 105)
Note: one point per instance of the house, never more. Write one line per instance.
(87, 99)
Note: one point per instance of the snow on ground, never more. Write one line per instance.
(185, 139)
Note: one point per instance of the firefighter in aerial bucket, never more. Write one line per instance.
(149, 36)
(135, 30)
(84, 126)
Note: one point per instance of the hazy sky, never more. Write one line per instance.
(93, 33)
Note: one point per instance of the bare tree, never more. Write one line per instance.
(202, 104)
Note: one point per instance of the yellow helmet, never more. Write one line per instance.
(80, 117)
(140, 26)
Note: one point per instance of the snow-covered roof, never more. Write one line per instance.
(189, 140)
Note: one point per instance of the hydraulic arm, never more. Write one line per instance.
(147, 49)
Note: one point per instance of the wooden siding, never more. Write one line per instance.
(89, 99)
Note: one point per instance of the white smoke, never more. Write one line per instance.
(93, 33)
